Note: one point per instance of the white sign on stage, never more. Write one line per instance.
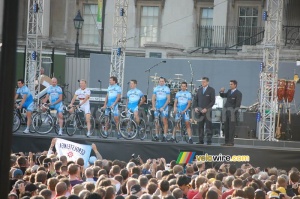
(73, 150)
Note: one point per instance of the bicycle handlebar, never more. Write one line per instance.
(74, 106)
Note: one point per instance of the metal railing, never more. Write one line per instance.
(291, 35)
(228, 37)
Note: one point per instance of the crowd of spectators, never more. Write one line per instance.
(46, 176)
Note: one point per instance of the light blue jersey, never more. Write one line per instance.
(161, 93)
(25, 91)
(134, 96)
(54, 93)
(183, 97)
(112, 93)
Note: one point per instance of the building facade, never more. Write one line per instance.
(163, 27)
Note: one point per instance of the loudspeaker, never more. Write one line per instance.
(242, 132)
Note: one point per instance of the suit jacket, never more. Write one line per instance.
(234, 99)
(206, 100)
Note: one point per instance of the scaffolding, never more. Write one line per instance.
(269, 70)
(119, 40)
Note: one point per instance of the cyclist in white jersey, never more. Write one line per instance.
(135, 98)
(112, 99)
(27, 101)
(182, 104)
(83, 95)
(55, 94)
(160, 101)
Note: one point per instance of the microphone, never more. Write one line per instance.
(78, 80)
(148, 70)
(99, 80)
(128, 82)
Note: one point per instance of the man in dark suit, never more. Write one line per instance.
(232, 105)
(203, 103)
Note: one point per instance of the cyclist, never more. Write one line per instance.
(160, 101)
(182, 104)
(55, 94)
(135, 98)
(27, 101)
(83, 94)
(111, 100)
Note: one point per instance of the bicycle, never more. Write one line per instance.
(129, 128)
(67, 96)
(158, 122)
(44, 122)
(77, 123)
(20, 119)
(106, 122)
(180, 129)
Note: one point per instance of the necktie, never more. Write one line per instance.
(231, 91)
(204, 89)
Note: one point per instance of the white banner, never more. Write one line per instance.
(73, 150)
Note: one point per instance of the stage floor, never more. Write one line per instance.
(281, 154)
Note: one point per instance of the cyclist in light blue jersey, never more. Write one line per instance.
(160, 101)
(27, 102)
(182, 104)
(135, 98)
(112, 99)
(54, 92)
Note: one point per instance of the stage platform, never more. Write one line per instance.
(281, 154)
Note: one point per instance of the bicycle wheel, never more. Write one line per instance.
(178, 135)
(104, 123)
(127, 128)
(72, 125)
(142, 129)
(153, 130)
(170, 130)
(67, 96)
(92, 121)
(184, 133)
(31, 127)
(16, 122)
(42, 123)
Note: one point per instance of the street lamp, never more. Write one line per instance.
(78, 22)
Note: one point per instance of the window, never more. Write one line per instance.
(206, 29)
(90, 34)
(149, 24)
(206, 17)
(247, 26)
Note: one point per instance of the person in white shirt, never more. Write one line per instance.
(89, 173)
(83, 95)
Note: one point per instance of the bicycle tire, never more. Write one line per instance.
(170, 130)
(142, 129)
(178, 135)
(153, 129)
(128, 129)
(42, 123)
(31, 128)
(67, 96)
(184, 133)
(101, 126)
(16, 122)
(71, 125)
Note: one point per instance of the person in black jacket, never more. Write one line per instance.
(203, 103)
(232, 105)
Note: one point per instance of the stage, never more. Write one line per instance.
(281, 154)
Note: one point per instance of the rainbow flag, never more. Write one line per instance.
(185, 157)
